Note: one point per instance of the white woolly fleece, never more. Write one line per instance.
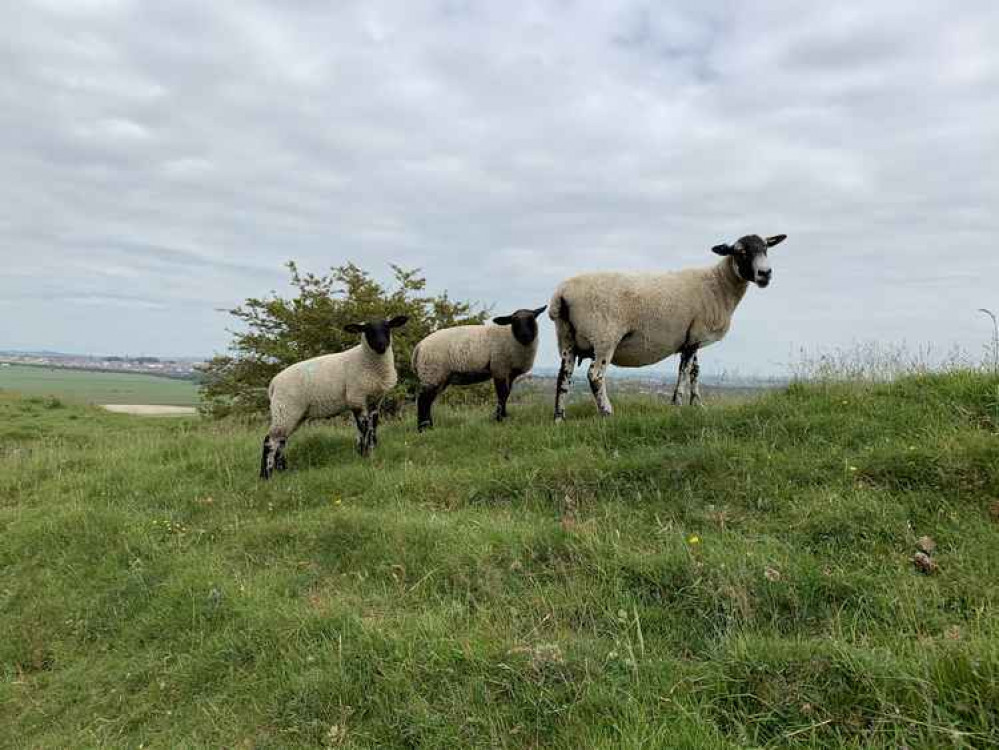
(328, 385)
(477, 349)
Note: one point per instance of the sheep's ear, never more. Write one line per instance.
(503, 320)
(540, 310)
(354, 328)
(398, 320)
(723, 249)
(776, 239)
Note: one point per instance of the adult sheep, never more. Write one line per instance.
(355, 380)
(465, 355)
(638, 319)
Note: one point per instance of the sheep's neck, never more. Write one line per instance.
(733, 286)
(379, 362)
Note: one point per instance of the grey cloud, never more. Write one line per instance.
(181, 152)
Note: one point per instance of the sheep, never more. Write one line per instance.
(637, 319)
(354, 380)
(465, 355)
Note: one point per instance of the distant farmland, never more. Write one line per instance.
(81, 386)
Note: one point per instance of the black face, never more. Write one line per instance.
(523, 323)
(377, 333)
(750, 256)
(752, 248)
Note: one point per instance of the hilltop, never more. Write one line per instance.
(735, 576)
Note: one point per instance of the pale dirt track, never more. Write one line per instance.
(152, 410)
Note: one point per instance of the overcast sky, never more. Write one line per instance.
(161, 160)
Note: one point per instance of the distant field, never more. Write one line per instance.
(97, 387)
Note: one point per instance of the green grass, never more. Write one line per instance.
(91, 387)
(738, 576)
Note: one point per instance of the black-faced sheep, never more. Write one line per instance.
(465, 355)
(355, 380)
(637, 319)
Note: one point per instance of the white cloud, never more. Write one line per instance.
(186, 150)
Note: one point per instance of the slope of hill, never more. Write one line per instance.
(735, 576)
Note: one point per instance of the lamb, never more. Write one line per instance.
(465, 355)
(633, 320)
(354, 380)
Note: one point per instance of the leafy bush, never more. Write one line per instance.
(278, 331)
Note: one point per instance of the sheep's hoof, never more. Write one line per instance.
(424, 426)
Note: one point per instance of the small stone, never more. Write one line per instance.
(924, 563)
(772, 574)
(926, 544)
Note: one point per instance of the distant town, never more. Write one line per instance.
(187, 368)
(184, 367)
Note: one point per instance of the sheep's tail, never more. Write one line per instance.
(556, 305)
(565, 331)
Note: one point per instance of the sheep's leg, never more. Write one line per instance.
(695, 386)
(363, 432)
(597, 377)
(564, 381)
(683, 376)
(267, 459)
(272, 456)
(280, 462)
(424, 407)
(502, 386)
(374, 427)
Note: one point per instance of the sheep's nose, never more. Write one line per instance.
(766, 274)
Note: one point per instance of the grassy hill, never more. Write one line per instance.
(94, 387)
(738, 576)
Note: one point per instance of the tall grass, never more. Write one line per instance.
(992, 348)
(880, 362)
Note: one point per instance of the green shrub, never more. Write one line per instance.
(277, 332)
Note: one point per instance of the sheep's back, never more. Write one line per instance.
(463, 349)
(316, 385)
(648, 313)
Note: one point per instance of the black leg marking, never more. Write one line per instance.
(424, 407)
(265, 472)
(272, 456)
(597, 377)
(695, 374)
(363, 432)
(564, 382)
(280, 462)
(503, 387)
(683, 374)
(569, 355)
